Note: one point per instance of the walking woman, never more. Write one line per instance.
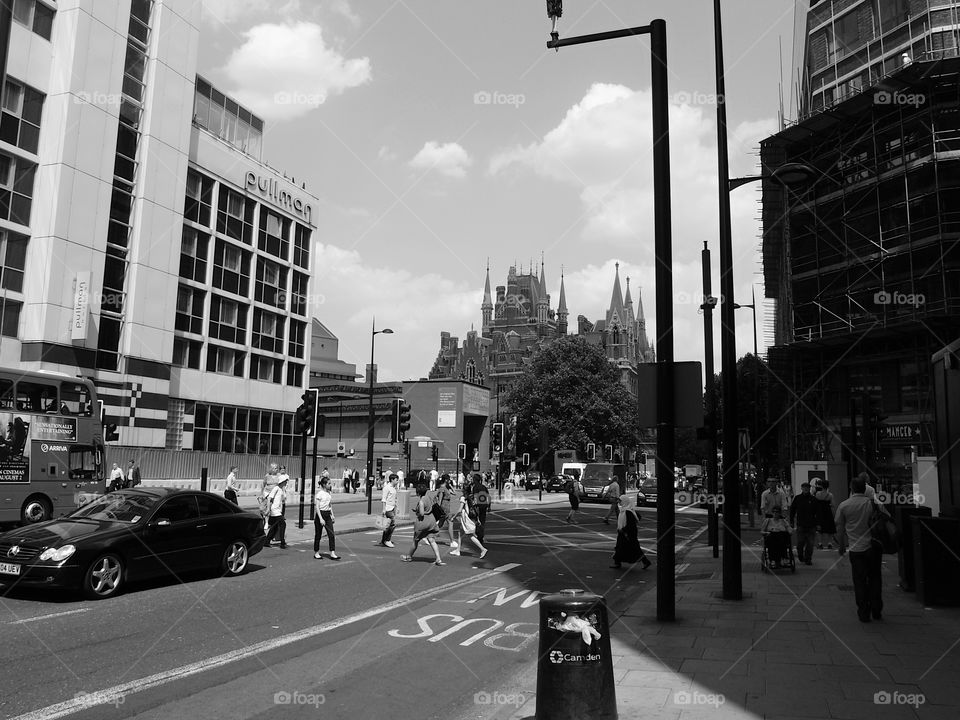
(230, 491)
(324, 519)
(574, 492)
(425, 526)
(825, 513)
(628, 545)
(469, 530)
(443, 497)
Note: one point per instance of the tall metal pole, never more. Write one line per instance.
(313, 477)
(732, 568)
(663, 252)
(370, 422)
(711, 420)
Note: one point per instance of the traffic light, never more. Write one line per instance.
(526, 459)
(321, 426)
(110, 432)
(403, 425)
(462, 451)
(497, 440)
(643, 458)
(435, 453)
(406, 448)
(305, 419)
(608, 456)
(591, 452)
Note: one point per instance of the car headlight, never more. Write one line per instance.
(58, 554)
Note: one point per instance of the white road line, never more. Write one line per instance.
(24, 621)
(132, 687)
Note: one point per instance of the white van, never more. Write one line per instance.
(573, 469)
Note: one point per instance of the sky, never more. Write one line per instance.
(441, 135)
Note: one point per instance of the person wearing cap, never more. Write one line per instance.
(803, 516)
(478, 501)
(388, 499)
(276, 504)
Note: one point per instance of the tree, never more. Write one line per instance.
(570, 395)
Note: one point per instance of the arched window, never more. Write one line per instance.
(471, 371)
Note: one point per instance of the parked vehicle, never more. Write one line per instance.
(131, 535)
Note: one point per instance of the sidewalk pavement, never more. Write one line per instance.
(792, 648)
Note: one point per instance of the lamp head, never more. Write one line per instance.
(387, 331)
(794, 174)
(554, 12)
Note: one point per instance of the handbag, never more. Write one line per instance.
(469, 527)
(382, 522)
(883, 533)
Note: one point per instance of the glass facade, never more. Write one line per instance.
(228, 120)
(223, 428)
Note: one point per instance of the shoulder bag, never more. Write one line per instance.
(883, 532)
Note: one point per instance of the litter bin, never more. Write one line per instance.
(905, 559)
(574, 664)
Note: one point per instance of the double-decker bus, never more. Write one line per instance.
(51, 445)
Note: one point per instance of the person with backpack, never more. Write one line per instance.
(574, 492)
(276, 504)
(478, 502)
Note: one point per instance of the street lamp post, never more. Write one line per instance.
(370, 419)
(663, 256)
(756, 398)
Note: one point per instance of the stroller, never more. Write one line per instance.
(780, 543)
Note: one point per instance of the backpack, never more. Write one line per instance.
(437, 509)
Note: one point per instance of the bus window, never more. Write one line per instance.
(82, 463)
(36, 397)
(6, 394)
(75, 399)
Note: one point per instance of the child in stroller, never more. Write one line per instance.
(776, 532)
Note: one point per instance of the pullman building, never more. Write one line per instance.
(144, 243)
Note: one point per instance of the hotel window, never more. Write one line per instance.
(139, 27)
(35, 16)
(267, 331)
(186, 353)
(231, 268)
(271, 283)
(225, 361)
(294, 375)
(266, 369)
(298, 295)
(235, 215)
(9, 317)
(223, 117)
(16, 189)
(189, 310)
(135, 65)
(274, 231)
(301, 247)
(198, 205)
(13, 256)
(22, 108)
(298, 331)
(228, 320)
(193, 254)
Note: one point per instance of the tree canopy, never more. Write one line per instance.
(570, 394)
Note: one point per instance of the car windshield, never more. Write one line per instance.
(117, 507)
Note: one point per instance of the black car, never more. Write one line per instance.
(532, 481)
(557, 483)
(131, 535)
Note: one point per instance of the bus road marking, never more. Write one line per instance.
(75, 705)
(24, 621)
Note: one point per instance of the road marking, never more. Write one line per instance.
(24, 621)
(77, 704)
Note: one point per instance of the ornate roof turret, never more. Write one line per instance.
(616, 314)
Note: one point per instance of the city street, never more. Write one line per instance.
(299, 637)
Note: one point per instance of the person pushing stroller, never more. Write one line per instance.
(776, 532)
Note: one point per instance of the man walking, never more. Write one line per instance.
(772, 497)
(133, 475)
(276, 504)
(478, 500)
(232, 486)
(388, 498)
(612, 493)
(854, 518)
(803, 516)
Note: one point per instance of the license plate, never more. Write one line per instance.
(9, 569)
(593, 494)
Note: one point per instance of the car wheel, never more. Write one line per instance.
(235, 558)
(36, 509)
(103, 578)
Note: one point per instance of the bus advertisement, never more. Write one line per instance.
(51, 445)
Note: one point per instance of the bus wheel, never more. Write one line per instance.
(36, 509)
(103, 577)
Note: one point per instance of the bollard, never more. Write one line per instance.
(574, 677)
(203, 479)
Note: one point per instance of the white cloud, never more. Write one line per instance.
(284, 71)
(415, 307)
(449, 159)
